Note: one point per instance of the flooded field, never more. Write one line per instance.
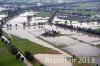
(77, 43)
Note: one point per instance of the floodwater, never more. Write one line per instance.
(78, 43)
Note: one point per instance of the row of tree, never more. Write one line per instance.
(10, 14)
(14, 50)
(89, 30)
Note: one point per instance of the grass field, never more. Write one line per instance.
(43, 14)
(82, 12)
(6, 58)
(26, 45)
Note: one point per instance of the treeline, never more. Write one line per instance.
(10, 14)
(52, 17)
(88, 30)
(14, 50)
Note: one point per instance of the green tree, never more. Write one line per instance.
(29, 56)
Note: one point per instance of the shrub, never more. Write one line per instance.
(9, 39)
(1, 34)
(41, 65)
(3, 39)
(29, 56)
(13, 49)
(1, 30)
(74, 56)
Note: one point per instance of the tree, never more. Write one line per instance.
(13, 49)
(70, 22)
(3, 39)
(93, 21)
(1, 34)
(41, 65)
(9, 39)
(66, 22)
(87, 21)
(29, 56)
(74, 56)
(0, 29)
(81, 22)
(24, 25)
(28, 20)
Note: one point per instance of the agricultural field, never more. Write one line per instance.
(71, 41)
(26, 45)
(43, 14)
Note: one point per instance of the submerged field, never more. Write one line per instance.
(76, 42)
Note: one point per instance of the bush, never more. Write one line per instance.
(9, 39)
(29, 56)
(1, 30)
(13, 49)
(1, 34)
(74, 56)
(41, 65)
(3, 39)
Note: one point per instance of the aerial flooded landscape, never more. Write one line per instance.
(49, 33)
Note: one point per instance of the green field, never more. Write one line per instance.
(43, 14)
(26, 45)
(77, 11)
(6, 58)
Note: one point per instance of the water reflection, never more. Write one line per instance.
(77, 42)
